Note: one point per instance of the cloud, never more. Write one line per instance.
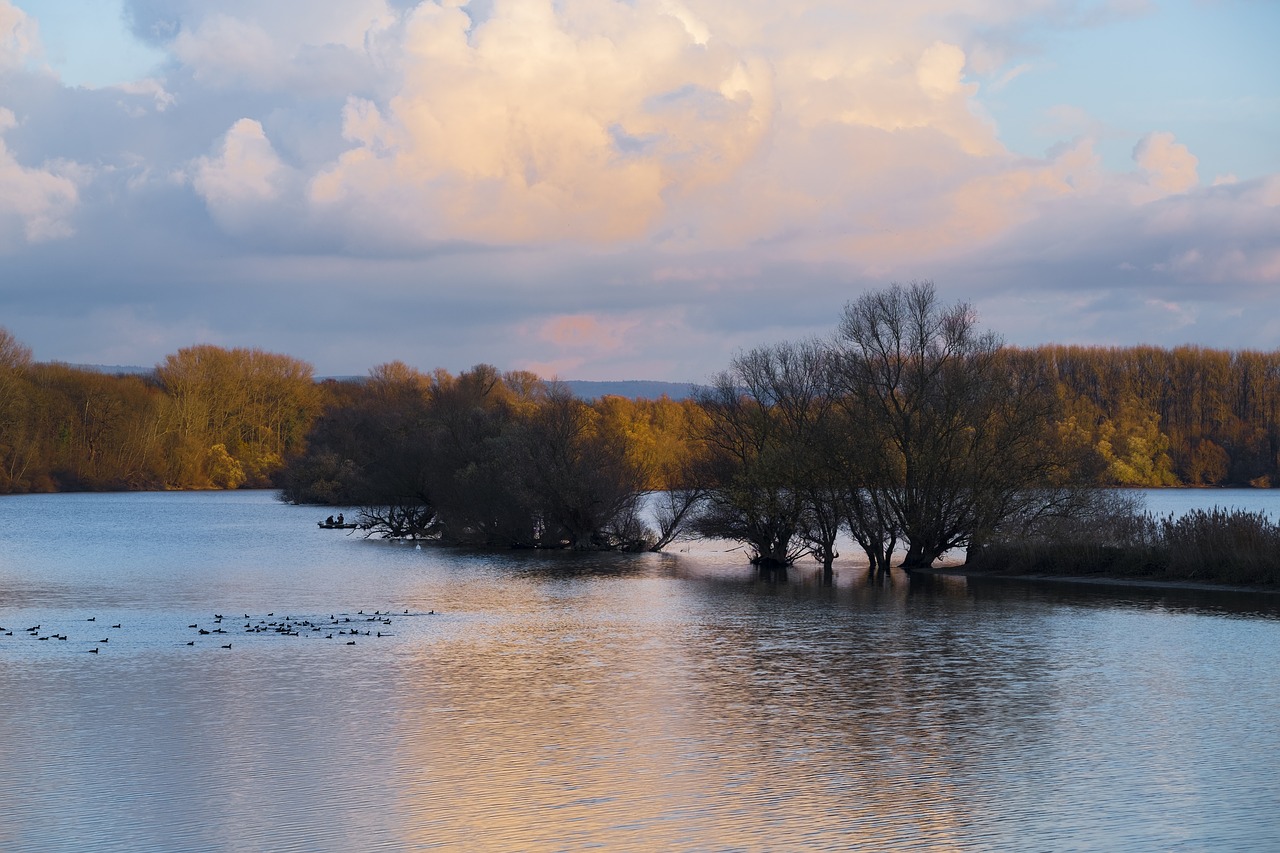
(35, 204)
(537, 125)
(19, 37)
(1168, 165)
(244, 181)
(147, 88)
(297, 46)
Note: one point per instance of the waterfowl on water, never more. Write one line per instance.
(117, 625)
(227, 646)
(93, 651)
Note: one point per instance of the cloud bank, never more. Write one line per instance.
(594, 188)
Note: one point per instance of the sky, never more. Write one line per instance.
(629, 189)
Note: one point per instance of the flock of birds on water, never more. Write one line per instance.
(345, 627)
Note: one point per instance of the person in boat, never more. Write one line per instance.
(329, 520)
(339, 518)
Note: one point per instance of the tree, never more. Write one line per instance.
(257, 405)
(751, 467)
(18, 445)
(967, 430)
(658, 439)
(579, 477)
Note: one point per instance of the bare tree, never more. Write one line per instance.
(752, 462)
(966, 431)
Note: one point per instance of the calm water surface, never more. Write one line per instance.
(567, 702)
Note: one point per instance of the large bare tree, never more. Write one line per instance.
(967, 431)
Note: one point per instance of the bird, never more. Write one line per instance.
(104, 639)
(191, 643)
(93, 651)
(227, 646)
(351, 642)
(117, 625)
(92, 619)
(194, 625)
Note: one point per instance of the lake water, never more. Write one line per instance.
(539, 702)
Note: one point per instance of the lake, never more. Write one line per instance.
(377, 696)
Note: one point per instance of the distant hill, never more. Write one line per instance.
(636, 389)
(110, 369)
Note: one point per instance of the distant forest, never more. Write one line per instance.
(215, 418)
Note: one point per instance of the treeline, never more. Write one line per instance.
(221, 418)
(1188, 416)
(207, 418)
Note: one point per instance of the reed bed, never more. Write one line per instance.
(1216, 545)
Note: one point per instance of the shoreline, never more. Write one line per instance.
(1091, 580)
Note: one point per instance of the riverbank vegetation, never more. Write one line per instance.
(1218, 545)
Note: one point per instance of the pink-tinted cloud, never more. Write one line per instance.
(1169, 166)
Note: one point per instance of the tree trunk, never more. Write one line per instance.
(918, 558)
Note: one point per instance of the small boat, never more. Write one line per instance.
(333, 525)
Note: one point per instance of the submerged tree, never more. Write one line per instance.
(967, 431)
(751, 463)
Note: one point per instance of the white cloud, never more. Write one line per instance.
(243, 183)
(35, 204)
